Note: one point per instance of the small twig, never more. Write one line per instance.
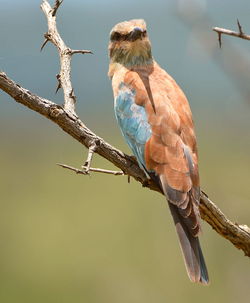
(96, 170)
(87, 164)
(224, 31)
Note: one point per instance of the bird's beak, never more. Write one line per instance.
(136, 34)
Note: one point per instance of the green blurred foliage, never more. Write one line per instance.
(72, 238)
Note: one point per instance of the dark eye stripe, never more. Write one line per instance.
(115, 36)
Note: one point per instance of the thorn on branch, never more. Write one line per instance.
(72, 95)
(240, 27)
(55, 7)
(47, 39)
(219, 39)
(58, 77)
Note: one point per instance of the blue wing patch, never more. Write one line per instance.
(133, 122)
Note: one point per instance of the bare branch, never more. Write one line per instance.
(96, 170)
(229, 32)
(65, 54)
(234, 64)
(239, 235)
(71, 124)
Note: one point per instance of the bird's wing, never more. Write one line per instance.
(170, 150)
(133, 122)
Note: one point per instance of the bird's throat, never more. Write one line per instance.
(132, 54)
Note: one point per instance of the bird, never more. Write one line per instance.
(156, 121)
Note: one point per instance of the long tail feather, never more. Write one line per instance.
(190, 246)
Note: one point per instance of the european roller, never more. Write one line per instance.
(156, 121)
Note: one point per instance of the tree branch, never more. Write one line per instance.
(229, 32)
(72, 125)
(65, 54)
(69, 122)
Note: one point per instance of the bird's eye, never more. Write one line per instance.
(144, 33)
(115, 36)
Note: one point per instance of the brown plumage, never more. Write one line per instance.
(170, 154)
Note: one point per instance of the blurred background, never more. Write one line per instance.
(72, 238)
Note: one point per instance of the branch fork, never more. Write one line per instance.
(87, 164)
(86, 167)
(222, 31)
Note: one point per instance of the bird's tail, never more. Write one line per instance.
(190, 246)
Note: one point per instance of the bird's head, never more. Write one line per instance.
(129, 44)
